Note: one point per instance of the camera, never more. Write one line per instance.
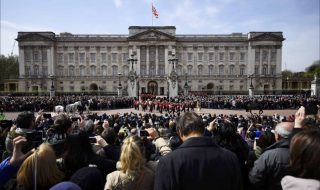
(93, 140)
(6, 123)
(47, 115)
(311, 108)
(75, 118)
(144, 133)
(34, 139)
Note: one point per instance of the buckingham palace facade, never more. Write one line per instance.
(150, 59)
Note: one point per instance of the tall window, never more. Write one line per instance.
(93, 70)
(257, 56)
(125, 57)
(143, 70)
(200, 70)
(82, 70)
(60, 57)
(256, 70)
(82, 57)
(71, 57)
(221, 70)
(92, 57)
(114, 70)
(161, 70)
(221, 56)
(265, 70)
(231, 58)
(104, 70)
(114, 57)
(103, 58)
(27, 56)
(200, 56)
(231, 70)
(71, 70)
(125, 70)
(36, 70)
(44, 56)
(242, 55)
(60, 71)
(28, 71)
(189, 70)
(211, 56)
(210, 70)
(265, 56)
(152, 69)
(273, 70)
(273, 56)
(190, 56)
(242, 71)
(36, 56)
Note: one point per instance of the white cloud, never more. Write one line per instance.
(118, 3)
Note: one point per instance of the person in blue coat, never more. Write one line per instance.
(10, 166)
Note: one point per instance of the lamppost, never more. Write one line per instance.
(168, 88)
(186, 84)
(52, 87)
(119, 85)
(138, 88)
(251, 86)
(132, 61)
(173, 61)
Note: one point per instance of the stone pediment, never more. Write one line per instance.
(267, 37)
(152, 35)
(34, 36)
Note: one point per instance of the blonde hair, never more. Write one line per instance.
(132, 156)
(48, 173)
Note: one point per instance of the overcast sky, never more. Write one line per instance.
(297, 19)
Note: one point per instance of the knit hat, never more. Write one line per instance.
(66, 185)
(88, 178)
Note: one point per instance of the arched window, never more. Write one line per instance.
(221, 70)
(231, 72)
(200, 68)
(60, 71)
(189, 70)
(104, 70)
(82, 70)
(114, 70)
(93, 70)
(36, 70)
(71, 70)
(210, 70)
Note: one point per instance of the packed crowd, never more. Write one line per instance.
(36, 103)
(151, 102)
(168, 151)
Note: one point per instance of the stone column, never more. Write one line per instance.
(157, 61)
(138, 62)
(147, 60)
(166, 64)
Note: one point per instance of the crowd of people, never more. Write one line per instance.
(151, 102)
(173, 150)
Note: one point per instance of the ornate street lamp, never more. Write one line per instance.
(251, 86)
(52, 86)
(119, 85)
(132, 61)
(186, 84)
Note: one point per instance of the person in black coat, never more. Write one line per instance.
(199, 163)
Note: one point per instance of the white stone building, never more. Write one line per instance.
(214, 64)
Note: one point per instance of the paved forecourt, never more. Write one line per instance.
(287, 112)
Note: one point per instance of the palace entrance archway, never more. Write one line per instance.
(152, 87)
